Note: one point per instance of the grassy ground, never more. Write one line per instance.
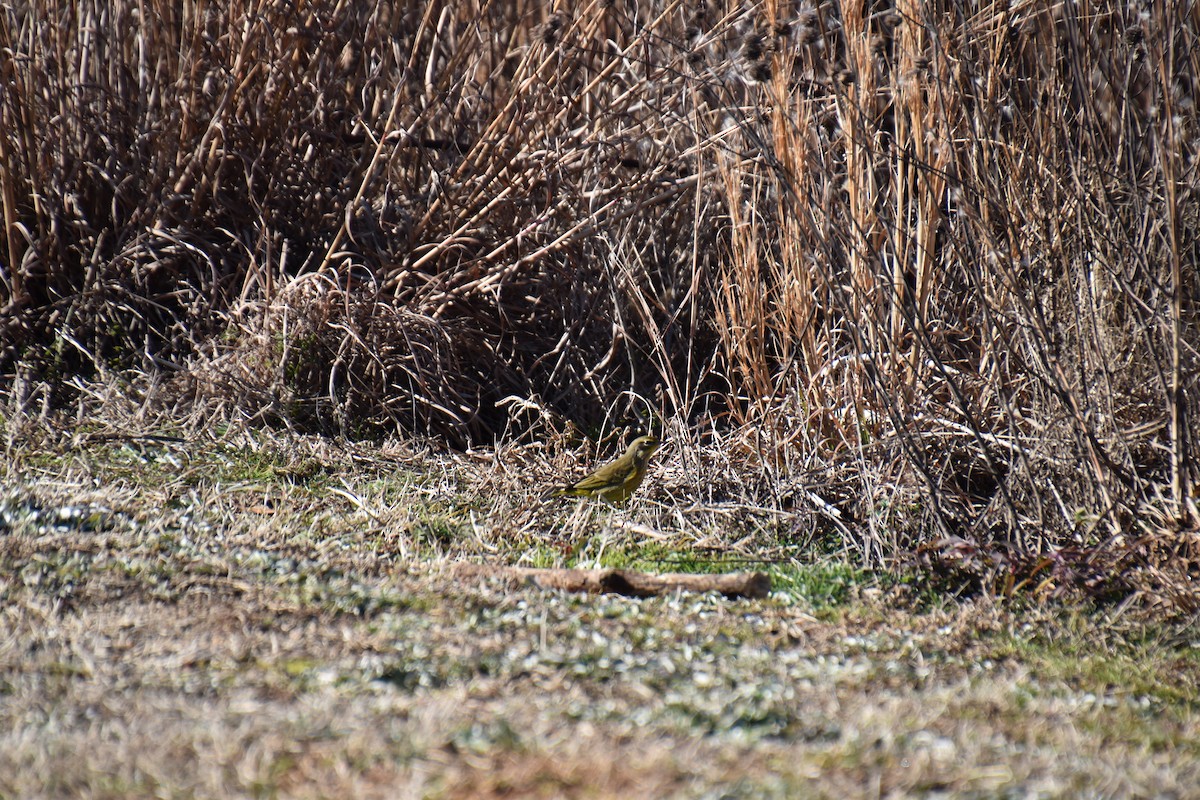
(247, 614)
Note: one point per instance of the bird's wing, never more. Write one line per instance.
(610, 475)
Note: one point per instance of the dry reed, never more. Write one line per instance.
(947, 251)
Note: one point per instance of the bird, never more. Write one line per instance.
(616, 480)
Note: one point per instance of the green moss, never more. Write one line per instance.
(823, 585)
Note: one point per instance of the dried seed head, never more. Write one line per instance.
(760, 72)
(551, 31)
(753, 46)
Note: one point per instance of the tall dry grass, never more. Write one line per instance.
(931, 264)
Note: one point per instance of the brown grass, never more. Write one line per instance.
(260, 613)
(930, 273)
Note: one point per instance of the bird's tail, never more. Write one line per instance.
(562, 491)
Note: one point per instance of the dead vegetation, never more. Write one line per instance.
(927, 270)
(262, 613)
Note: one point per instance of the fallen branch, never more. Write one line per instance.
(626, 582)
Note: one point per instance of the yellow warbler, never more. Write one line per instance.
(615, 481)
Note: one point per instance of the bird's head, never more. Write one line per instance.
(643, 447)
